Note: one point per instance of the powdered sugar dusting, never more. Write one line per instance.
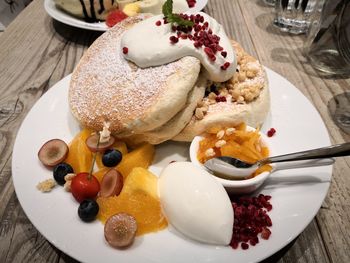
(113, 88)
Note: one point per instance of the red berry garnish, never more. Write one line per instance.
(173, 39)
(158, 23)
(115, 17)
(224, 54)
(271, 132)
(220, 99)
(225, 65)
(251, 218)
(125, 50)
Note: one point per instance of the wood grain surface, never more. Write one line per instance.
(36, 52)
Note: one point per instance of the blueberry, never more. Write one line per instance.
(60, 171)
(111, 157)
(88, 210)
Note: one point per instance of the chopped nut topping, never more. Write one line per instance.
(199, 114)
(242, 76)
(245, 85)
(210, 152)
(200, 104)
(250, 74)
(220, 134)
(46, 185)
(204, 108)
(230, 131)
(220, 143)
(240, 99)
(212, 96)
(67, 185)
(69, 177)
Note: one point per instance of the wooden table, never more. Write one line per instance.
(36, 52)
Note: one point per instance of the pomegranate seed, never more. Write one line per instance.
(234, 244)
(173, 39)
(220, 99)
(158, 23)
(225, 65)
(265, 234)
(183, 36)
(125, 50)
(197, 44)
(244, 246)
(250, 220)
(208, 51)
(271, 132)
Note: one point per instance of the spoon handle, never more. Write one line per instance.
(324, 152)
(303, 164)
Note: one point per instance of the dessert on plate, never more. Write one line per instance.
(147, 80)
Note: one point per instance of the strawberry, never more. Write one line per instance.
(115, 17)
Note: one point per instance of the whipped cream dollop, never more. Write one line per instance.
(153, 43)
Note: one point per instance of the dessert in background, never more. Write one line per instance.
(98, 10)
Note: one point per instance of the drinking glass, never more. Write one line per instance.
(295, 16)
(328, 42)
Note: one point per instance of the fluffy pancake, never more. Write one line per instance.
(106, 88)
(244, 98)
(178, 122)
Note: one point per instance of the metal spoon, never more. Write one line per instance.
(232, 168)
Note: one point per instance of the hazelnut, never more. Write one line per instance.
(212, 96)
(220, 134)
(230, 131)
(220, 143)
(242, 76)
(210, 152)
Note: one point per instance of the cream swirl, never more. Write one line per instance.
(148, 44)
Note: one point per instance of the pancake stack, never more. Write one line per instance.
(155, 104)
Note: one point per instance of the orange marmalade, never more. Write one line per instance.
(238, 142)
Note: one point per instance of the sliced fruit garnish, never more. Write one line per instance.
(120, 230)
(112, 183)
(53, 152)
(115, 17)
(79, 156)
(92, 142)
(140, 157)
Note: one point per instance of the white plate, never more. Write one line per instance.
(68, 19)
(296, 194)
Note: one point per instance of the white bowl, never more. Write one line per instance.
(233, 186)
